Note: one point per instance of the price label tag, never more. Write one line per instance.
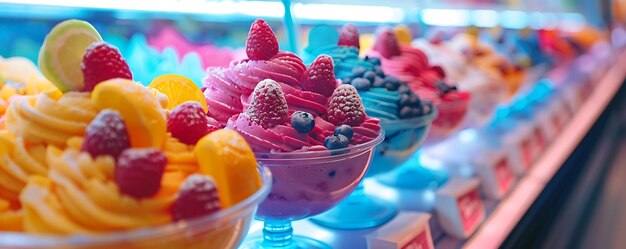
(504, 175)
(408, 230)
(527, 152)
(419, 242)
(471, 210)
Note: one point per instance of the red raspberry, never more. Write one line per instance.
(188, 122)
(345, 107)
(196, 197)
(102, 62)
(320, 76)
(261, 43)
(387, 44)
(268, 106)
(106, 135)
(439, 70)
(349, 36)
(138, 172)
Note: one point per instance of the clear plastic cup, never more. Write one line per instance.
(306, 184)
(223, 229)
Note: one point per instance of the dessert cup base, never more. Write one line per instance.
(416, 174)
(357, 213)
(298, 242)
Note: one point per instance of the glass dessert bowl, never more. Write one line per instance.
(223, 229)
(306, 184)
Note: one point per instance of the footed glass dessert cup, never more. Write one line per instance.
(223, 229)
(402, 138)
(306, 184)
(420, 172)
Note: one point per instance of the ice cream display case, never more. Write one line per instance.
(295, 124)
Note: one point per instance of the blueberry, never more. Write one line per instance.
(391, 86)
(389, 78)
(361, 84)
(378, 82)
(417, 111)
(444, 87)
(379, 71)
(405, 112)
(427, 108)
(415, 100)
(405, 100)
(346, 80)
(374, 60)
(370, 75)
(334, 142)
(303, 122)
(404, 89)
(345, 130)
(358, 71)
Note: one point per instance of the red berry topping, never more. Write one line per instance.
(268, 106)
(102, 62)
(196, 197)
(320, 76)
(439, 71)
(138, 172)
(387, 44)
(188, 122)
(349, 36)
(261, 43)
(345, 107)
(106, 135)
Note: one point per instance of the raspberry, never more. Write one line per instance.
(261, 43)
(345, 107)
(138, 172)
(439, 70)
(197, 197)
(106, 135)
(102, 62)
(320, 76)
(268, 106)
(188, 123)
(349, 36)
(386, 44)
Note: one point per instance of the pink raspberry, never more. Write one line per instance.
(102, 62)
(188, 123)
(345, 107)
(138, 172)
(261, 43)
(197, 197)
(106, 135)
(320, 76)
(268, 106)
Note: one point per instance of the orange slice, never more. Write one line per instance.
(178, 89)
(140, 109)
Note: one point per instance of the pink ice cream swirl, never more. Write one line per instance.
(227, 90)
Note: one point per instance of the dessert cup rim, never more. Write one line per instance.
(322, 154)
(21, 239)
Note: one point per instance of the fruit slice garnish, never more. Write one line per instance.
(225, 156)
(178, 89)
(62, 52)
(140, 109)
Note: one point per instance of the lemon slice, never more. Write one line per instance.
(62, 52)
(178, 89)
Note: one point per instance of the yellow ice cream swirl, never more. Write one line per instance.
(50, 118)
(16, 165)
(180, 157)
(80, 196)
